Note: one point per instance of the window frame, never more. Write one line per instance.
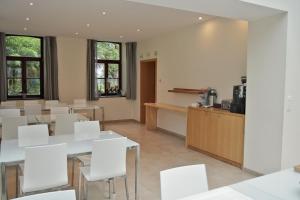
(24, 78)
(106, 63)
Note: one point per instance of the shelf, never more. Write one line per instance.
(188, 91)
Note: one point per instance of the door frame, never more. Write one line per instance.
(155, 67)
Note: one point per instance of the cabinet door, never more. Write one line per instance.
(231, 137)
(213, 133)
(195, 128)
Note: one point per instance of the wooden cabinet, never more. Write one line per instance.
(218, 133)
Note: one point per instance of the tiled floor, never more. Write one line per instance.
(161, 151)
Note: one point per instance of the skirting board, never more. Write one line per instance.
(254, 173)
(171, 133)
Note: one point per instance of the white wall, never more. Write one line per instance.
(72, 79)
(291, 129)
(265, 94)
(209, 54)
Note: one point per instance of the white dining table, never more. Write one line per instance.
(283, 185)
(12, 155)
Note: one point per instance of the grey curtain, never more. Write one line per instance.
(50, 69)
(91, 70)
(131, 70)
(3, 83)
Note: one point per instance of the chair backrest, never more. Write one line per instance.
(86, 130)
(184, 181)
(33, 135)
(9, 103)
(33, 109)
(51, 102)
(10, 126)
(45, 167)
(108, 158)
(31, 102)
(64, 124)
(9, 113)
(79, 101)
(59, 110)
(59, 195)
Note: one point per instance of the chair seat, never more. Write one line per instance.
(85, 160)
(87, 175)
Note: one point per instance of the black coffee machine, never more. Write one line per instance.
(238, 104)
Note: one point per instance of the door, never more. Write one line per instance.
(147, 86)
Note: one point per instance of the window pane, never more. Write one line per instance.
(14, 87)
(108, 51)
(100, 86)
(112, 86)
(113, 70)
(100, 70)
(14, 69)
(33, 86)
(33, 69)
(23, 46)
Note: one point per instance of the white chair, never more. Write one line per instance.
(33, 135)
(86, 130)
(31, 102)
(59, 195)
(79, 101)
(184, 181)
(59, 110)
(64, 124)
(45, 167)
(9, 113)
(10, 126)
(9, 103)
(33, 109)
(108, 162)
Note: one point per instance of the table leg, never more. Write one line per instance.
(3, 179)
(102, 111)
(137, 173)
(94, 114)
(73, 171)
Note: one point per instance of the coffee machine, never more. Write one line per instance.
(238, 104)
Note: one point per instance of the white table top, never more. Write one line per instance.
(87, 106)
(51, 118)
(11, 152)
(59, 195)
(283, 185)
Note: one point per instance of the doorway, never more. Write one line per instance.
(147, 85)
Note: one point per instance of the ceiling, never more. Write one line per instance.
(67, 17)
(236, 9)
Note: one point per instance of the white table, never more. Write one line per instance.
(283, 185)
(51, 118)
(89, 106)
(12, 154)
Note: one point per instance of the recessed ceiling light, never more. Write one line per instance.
(27, 18)
(31, 3)
(200, 18)
(103, 12)
(25, 28)
(88, 25)
(138, 30)
(121, 36)
(76, 33)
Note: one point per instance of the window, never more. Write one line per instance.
(108, 68)
(24, 64)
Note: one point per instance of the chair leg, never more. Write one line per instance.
(126, 188)
(17, 181)
(85, 189)
(109, 189)
(114, 185)
(80, 186)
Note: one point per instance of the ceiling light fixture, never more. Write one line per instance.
(31, 3)
(121, 36)
(25, 29)
(27, 19)
(88, 25)
(138, 30)
(103, 13)
(76, 33)
(200, 18)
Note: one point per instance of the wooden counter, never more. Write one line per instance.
(217, 133)
(151, 112)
